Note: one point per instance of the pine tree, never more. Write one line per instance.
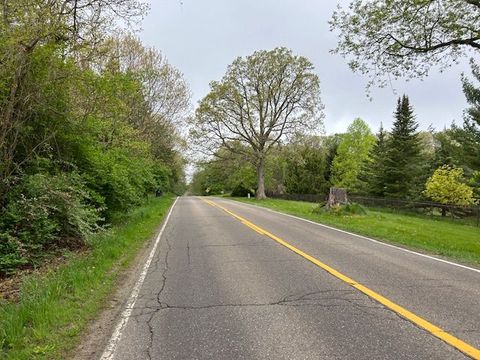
(402, 162)
(470, 136)
(372, 175)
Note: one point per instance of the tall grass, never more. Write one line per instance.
(55, 307)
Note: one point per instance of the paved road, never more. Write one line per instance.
(216, 289)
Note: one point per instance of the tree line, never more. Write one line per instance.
(402, 163)
(88, 122)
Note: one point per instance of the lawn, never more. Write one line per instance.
(438, 236)
(54, 308)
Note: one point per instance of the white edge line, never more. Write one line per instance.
(360, 236)
(125, 316)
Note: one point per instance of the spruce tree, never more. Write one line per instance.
(402, 162)
(470, 136)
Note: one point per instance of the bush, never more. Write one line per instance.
(45, 212)
(122, 179)
(10, 254)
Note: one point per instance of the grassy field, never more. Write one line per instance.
(55, 307)
(435, 236)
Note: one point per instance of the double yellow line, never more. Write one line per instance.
(467, 349)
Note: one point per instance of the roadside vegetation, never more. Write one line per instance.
(55, 305)
(88, 124)
(443, 237)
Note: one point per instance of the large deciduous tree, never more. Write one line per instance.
(262, 99)
(397, 38)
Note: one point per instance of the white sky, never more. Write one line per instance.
(201, 37)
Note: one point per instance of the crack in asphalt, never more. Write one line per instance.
(150, 339)
(289, 300)
(162, 287)
(233, 245)
(188, 252)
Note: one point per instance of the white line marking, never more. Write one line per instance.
(362, 237)
(117, 333)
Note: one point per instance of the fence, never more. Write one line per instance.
(469, 213)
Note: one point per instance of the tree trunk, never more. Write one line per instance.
(260, 194)
(337, 196)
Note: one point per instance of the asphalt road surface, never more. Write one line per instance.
(219, 288)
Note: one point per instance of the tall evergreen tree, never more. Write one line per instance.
(372, 175)
(470, 136)
(402, 163)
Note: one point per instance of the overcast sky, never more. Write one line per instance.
(201, 37)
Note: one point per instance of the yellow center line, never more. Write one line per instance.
(465, 348)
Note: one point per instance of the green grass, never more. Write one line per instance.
(55, 307)
(443, 237)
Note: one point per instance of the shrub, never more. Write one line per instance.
(10, 254)
(44, 212)
(446, 186)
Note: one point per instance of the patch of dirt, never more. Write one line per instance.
(10, 287)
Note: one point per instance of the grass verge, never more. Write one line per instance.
(436, 236)
(55, 307)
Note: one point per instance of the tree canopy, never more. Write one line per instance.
(404, 38)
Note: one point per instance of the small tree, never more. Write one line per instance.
(352, 152)
(446, 186)
(262, 99)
